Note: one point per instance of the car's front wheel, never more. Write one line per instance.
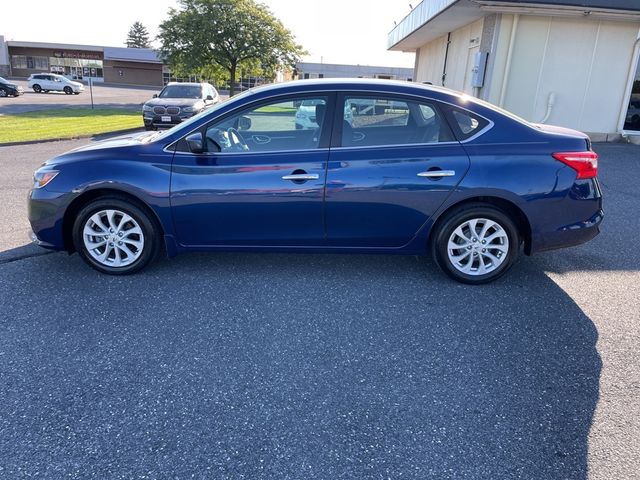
(37, 88)
(476, 244)
(115, 236)
(67, 90)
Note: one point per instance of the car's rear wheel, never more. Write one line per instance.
(115, 236)
(476, 244)
(67, 90)
(3, 92)
(37, 88)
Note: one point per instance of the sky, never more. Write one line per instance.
(332, 31)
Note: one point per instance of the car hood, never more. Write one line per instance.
(177, 102)
(128, 140)
(10, 85)
(559, 130)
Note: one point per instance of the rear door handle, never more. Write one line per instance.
(297, 177)
(437, 173)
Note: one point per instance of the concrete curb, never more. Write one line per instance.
(78, 137)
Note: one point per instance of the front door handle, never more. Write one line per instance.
(437, 173)
(301, 177)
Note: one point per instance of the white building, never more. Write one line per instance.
(566, 62)
(332, 70)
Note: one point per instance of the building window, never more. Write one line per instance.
(32, 63)
(321, 75)
(306, 76)
(18, 61)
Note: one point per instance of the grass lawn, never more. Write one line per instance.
(276, 109)
(66, 123)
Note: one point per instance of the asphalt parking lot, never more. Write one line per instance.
(247, 366)
(104, 96)
(111, 96)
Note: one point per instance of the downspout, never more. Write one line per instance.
(627, 96)
(551, 101)
(507, 67)
(446, 54)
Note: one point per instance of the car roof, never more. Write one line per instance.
(373, 84)
(192, 84)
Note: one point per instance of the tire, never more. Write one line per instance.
(76, 93)
(134, 250)
(3, 93)
(68, 90)
(37, 88)
(475, 262)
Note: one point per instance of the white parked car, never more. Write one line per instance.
(50, 82)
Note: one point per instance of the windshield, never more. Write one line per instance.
(181, 91)
(491, 106)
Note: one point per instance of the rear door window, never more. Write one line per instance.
(372, 121)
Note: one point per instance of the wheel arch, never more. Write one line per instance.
(508, 207)
(90, 195)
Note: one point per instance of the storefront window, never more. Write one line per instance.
(18, 61)
(77, 68)
(632, 119)
(32, 63)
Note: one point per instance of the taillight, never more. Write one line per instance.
(585, 163)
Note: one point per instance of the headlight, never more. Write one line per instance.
(188, 109)
(42, 177)
(147, 108)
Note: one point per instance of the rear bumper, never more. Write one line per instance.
(570, 235)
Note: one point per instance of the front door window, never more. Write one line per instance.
(285, 125)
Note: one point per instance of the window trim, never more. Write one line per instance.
(336, 92)
(336, 137)
(455, 127)
(325, 134)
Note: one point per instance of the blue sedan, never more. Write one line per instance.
(327, 166)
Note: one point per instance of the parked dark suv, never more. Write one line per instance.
(8, 89)
(177, 102)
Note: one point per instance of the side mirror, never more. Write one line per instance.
(155, 95)
(209, 97)
(244, 123)
(194, 141)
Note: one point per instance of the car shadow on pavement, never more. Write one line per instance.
(292, 366)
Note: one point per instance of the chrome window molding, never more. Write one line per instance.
(487, 127)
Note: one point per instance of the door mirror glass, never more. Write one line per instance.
(155, 95)
(194, 141)
(209, 97)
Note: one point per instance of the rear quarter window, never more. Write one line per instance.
(466, 124)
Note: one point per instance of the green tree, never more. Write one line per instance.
(138, 36)
(233, 34)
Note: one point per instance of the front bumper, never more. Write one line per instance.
(46, 215)
(160, 121)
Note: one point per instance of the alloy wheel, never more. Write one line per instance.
(478, 246)
(113, 238)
